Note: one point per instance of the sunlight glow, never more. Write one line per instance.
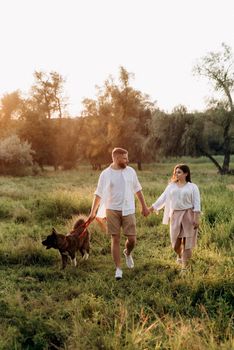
(87, 40)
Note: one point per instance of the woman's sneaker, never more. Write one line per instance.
(178, 260)
(118, 274)
(129, 259)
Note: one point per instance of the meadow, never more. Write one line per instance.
(84, 307)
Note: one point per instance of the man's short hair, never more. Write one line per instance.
(118, 150)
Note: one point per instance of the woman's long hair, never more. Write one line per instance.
(185, 169)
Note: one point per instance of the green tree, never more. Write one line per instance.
(94, 143)
(175, 134)
(47, 94)
(11, 106)
(120, 118)
(38, 131)
(218, 67)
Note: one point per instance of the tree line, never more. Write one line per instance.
(36, 129)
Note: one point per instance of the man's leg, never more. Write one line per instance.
(113, 227)
(130, 244)
(115, 249)
(129, 228)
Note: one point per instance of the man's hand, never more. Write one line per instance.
(95, 204)
(91, 216)
(151, 210)
(145, 211)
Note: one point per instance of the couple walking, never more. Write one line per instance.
(114, 200)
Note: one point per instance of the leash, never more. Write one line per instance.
(84, 225)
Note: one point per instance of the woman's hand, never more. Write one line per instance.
(196, 220)
(151, 210)
(195, 225)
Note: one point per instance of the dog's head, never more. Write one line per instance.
(52, 240)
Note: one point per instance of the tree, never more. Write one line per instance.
(120, 118)
(47, 93)
(218, 67)
(11, 104)
(94, 143)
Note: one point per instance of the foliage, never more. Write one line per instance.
(119, 117)
(15, 155)
(47, 93)
(218, 67)
(11, 106)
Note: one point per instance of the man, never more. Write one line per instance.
(114, 199)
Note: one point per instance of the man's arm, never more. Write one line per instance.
(94, 208)
(144, 209)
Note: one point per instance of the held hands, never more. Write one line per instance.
(147, 210)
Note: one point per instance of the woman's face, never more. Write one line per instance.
(180, 175)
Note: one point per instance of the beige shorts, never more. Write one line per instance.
(115, 221)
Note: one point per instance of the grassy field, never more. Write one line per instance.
(84, 308)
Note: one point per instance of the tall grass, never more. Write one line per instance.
(152, 307)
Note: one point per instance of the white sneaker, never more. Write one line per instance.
(179, 260)
(129, 259)
(118, 274)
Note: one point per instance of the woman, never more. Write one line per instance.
(181, 202)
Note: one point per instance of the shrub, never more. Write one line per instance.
(15, 155)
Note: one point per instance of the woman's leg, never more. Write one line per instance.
(179, 247)
(186, 254)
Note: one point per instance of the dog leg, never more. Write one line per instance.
(74, 261)
(64, 260)
(85, 256)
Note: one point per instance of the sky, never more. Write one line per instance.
(85, 41)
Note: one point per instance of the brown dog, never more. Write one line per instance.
(77, 239)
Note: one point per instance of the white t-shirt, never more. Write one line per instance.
(117, 189)
(110, 183)
(181, 197)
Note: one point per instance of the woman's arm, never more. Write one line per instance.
(161, 201)
(196, 206)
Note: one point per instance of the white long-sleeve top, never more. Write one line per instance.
(104, 190)
(178, 198)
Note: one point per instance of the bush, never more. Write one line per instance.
(15, 155)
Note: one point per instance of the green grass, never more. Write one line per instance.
(152, 307)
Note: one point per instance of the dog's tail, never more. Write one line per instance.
(81, 223)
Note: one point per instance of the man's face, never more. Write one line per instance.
(122, 160)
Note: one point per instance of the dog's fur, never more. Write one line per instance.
(68, 245)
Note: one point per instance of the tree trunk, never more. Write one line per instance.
(227, 143)
(139, 165)
(220, 170)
